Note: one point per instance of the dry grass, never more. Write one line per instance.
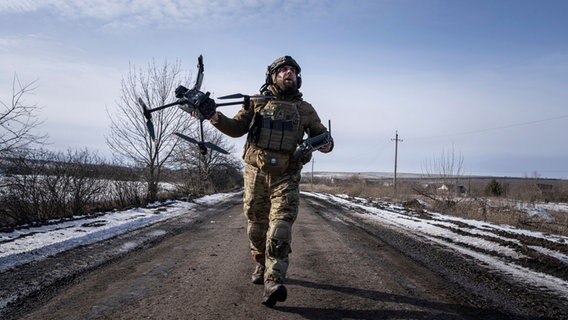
(478, 208)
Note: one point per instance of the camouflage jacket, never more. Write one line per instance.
(239, 125)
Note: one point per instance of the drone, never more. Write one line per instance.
(190, 101)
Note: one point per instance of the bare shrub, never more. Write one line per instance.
(494, 188)
(226, 177)
(323, 188)
(355, 188)
(22, 194)
(127, 193)
(210, 172)
(47, 185)
(558, 223)
(86, 187)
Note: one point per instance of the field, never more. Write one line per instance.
(529, 203)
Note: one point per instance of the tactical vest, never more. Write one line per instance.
(276, 126)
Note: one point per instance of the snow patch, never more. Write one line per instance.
(35, 243)
(486, 242)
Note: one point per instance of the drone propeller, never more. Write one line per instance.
(240, 95)
(148, 116)
(200, 69)
(233, 96)
(216, 148)
(189, 139)
(150, 127)
(147, 113)
(202, 145)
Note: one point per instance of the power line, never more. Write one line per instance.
(380, 151)
(520, 124)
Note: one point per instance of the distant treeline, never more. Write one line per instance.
(44, 185)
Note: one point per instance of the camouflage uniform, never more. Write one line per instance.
(271, 179)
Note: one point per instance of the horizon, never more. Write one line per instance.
(412, 175)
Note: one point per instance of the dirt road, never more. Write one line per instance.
(338, 270)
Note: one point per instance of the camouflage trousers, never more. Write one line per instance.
(271, 207)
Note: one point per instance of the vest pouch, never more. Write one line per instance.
(289, 136)
(276, 136)
(272, 162)
(251, 155)
(279, 126)
(265, 134)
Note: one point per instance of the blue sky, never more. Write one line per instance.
(486, 78)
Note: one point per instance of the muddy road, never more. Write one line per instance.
(341, 268)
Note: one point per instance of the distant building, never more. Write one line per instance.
(544, 187)
(447, 188)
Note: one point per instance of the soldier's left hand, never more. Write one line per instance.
(326, 148)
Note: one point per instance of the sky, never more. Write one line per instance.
(501, 248)
(484, 79)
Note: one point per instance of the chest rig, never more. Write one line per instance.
(275, 126)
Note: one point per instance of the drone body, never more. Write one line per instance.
(191, 101)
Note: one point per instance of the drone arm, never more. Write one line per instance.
(165, 106)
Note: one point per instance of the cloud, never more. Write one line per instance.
(72, 91)
(8, 6)
(125, 14)
(7, 43)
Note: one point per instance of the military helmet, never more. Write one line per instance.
(272, 69)
(284, 61)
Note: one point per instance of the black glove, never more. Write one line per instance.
(306, 158)
(180, 91)
(207, 108)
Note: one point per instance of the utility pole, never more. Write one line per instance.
(312, 182)
(396, 140)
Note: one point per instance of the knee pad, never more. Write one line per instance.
(280, 230)
(257, 231)
(279, 239)
(278, 249)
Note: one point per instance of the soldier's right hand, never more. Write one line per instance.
(180, 91)
(208, 108)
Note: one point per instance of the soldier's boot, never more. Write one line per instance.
(258, 274)
(273, 292)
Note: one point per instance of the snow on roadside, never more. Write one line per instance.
(36, 243)
(29, 244)
(440, 228)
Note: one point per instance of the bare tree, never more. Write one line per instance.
(204, 171)
(129, 136)
(19, 120)
(447, 166)
(447, 170)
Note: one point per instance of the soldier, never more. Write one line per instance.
(275, 127)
